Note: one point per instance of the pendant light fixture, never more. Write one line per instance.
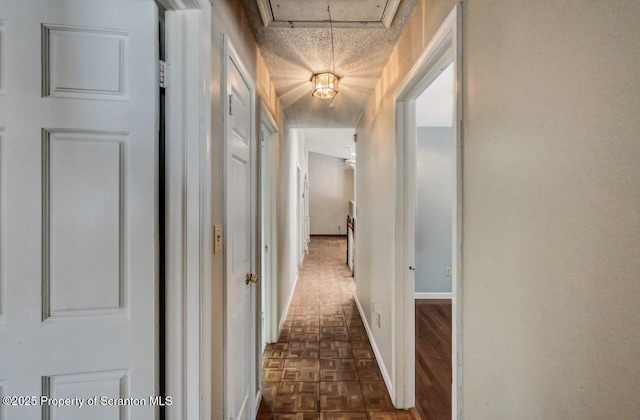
(325, 85)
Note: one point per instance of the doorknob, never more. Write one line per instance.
(251, 278)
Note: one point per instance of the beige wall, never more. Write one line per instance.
(551, 278)
(292, 155)
(374, 181)
(330, 190)
(228, 18)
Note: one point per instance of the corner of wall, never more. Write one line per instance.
(376, 351)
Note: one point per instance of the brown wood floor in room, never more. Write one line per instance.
(433, 359)
(322, 366)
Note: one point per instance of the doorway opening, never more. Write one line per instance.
(300, 214)
(442, 267)
(268, 232)
(433, 245)
(307, 218)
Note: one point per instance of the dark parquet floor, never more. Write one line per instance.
(322, 366)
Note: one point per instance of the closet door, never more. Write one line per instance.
(78, 206)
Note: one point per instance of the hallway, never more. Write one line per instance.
(322, 366)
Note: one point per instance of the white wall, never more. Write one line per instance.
(292, 154)
(551, 220)
(434, 208)
(336, 142)
(330, 189)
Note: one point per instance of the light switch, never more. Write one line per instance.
(217, 239)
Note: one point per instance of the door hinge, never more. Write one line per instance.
(231, 104)
(163, 70)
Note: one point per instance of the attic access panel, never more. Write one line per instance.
(313, 14)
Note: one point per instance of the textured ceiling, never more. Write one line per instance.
(292, 56)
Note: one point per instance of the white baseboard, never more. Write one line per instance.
(286, 306)
(376, 352)
(430, 295)
(258, 398)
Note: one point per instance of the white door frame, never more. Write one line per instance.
(443, 49)
(188, 209)
(268, 283)
(307, 216)
(299, 214)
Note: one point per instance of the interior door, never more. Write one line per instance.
(299, 215)
(307, 218)
(241, 223)
(266, 227)
(79, 216)
(268, 211)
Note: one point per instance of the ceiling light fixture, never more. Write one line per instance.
(325, 84)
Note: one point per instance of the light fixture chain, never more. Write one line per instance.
(325, 85)
(333, 54)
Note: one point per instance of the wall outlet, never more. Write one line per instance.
(448, 272)
(378, 318)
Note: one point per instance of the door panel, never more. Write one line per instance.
(78, 205)
(83, 224)
(240, 192)
(266, 248)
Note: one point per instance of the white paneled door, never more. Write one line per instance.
(78, 277)
(240, 193)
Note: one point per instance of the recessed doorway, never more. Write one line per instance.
(433, 245)
(268, 231)
(442, 265)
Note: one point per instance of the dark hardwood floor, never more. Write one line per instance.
(433, 359)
